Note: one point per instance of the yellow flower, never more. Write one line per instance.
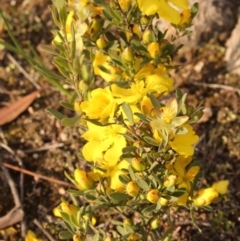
(205, 197)
(111, 73)
(146, 106)
(105, 144)
(221, 186)
(68, 24)
(31, 236)
(124, 4)
(116, 184)
(131, 95)
(159, 84)
(184, 177)
(83, 180)
(163, 8)
(154, 50)
(183, 143)
(101, 106)
(166, 118)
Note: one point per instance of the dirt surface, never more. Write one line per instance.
(47, 148)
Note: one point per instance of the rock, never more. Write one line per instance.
(232, 56)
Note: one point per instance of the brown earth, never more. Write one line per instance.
(203, 76)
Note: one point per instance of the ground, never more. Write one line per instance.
(218, 149)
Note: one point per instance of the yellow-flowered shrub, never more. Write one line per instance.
(138, 152)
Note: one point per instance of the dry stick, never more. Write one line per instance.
(50, 179)
(217, 86)
(10, 57)
(46, 233)
(44, 148)
(6, 147)
(16, 214)
(20, 163)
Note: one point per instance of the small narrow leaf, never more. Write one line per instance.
(117, 196)
(65, 235)
(128, 111)
(67, 105)
(55, 113)
(70, 122)
(148, 210)
(150, 141)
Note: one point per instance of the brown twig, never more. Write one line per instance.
(16, 214)
(20, 163)
(44, 148)
(49, 179)
(217, 86)
(20, 68)
(46, 233)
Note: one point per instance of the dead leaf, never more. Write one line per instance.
(9, 113)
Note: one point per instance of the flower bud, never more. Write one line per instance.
(78, 237)
(108, 239)
(132, 189)
(144, 20)
(82, 86)
(84, 182)
(96, 26)
(205, 197)
(134, 237)
(185, 18)
(153, 196)
(163, 201)
(127, 55)
(101, 43)
(128, 222)
(148, 36)
(77, 106)
(155, 223)
(124, 4)
(138, 164)
(170, 181)
(154, 50)
(93, 220)
(69, 208)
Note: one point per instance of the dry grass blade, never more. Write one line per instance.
(11, 112)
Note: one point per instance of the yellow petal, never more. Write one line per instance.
(221, 186)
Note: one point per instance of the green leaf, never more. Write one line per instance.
(75, 192)
(65, 235)
(117, 196)
(128, 111)
(129, 149)
(58, 3)
(179, 192)
(124, 179)
(55, 113)
(101, 3)
(131, 173)
(143, 184)
(194, 9)
(138, 46)
(142, 117)
(121, 230)
(67, 105)
(115, 222)
(150, 141)
(96, 237)
(49, 49)
(70, 122)
(148, 210)
(155, 102)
